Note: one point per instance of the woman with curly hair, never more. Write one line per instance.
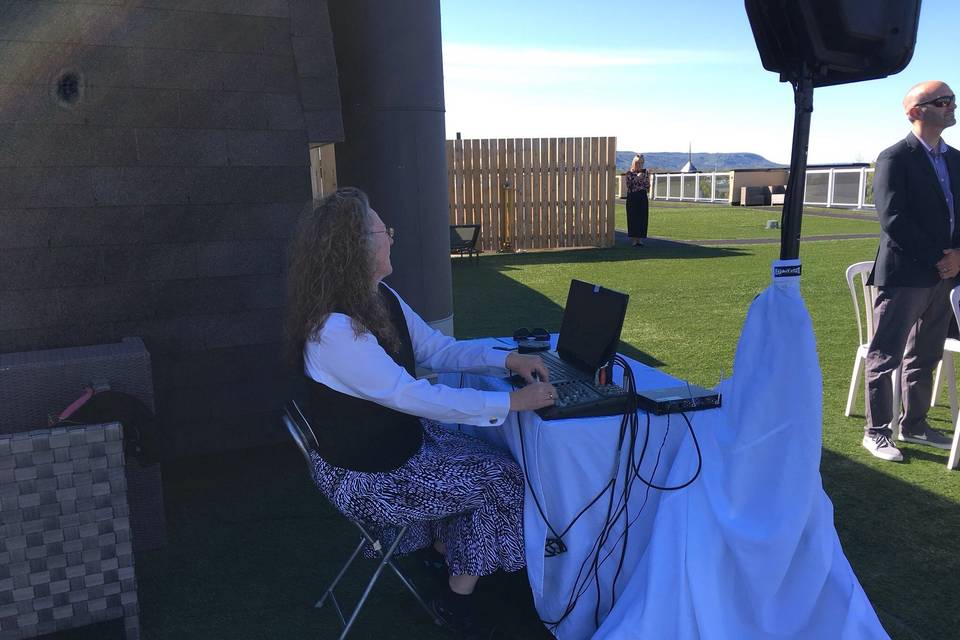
(383, 457)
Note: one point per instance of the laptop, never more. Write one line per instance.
(589, 333)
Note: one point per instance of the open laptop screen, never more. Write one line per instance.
(592, 320)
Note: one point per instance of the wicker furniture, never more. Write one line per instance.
(34, 384)
(66, 557)
(71, 512)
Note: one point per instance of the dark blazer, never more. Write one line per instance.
(914, 218)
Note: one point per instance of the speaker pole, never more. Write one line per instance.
(793, 202)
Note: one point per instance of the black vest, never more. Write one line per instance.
(362, 435)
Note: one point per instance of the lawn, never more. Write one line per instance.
(252, 545)
(720, 222)
(687, 304)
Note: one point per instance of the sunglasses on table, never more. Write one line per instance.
(940, 103)
(527, 334)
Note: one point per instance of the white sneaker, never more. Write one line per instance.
(882, 447)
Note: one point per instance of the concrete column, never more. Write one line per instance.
(391, 86)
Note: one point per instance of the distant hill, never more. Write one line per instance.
(662, 161)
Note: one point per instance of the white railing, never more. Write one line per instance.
(693, 187)
(850, 188)
(847, 188)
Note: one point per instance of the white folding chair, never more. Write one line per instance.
(856, 276)
(306, 441)
(950, 347)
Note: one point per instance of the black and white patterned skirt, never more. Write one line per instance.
(456, 489)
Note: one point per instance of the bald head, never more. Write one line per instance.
(922, 92)
(930, 108)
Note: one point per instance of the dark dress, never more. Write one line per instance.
(638, 210)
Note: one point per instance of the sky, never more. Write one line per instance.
(662, 75)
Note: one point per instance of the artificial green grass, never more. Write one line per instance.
(722, 222)
(687, 304)
(252, 545)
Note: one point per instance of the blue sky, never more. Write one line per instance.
(658, 75)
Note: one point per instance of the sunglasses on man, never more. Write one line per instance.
(940, 103)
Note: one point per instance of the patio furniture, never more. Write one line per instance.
(463, 240)
(35, 384)
(306, 441)
(754, 196)
(66, 557)
(950, 347)
(778, 194)
(856, 276)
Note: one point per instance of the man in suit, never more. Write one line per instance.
(915, 186)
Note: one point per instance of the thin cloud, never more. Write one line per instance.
(467, 56)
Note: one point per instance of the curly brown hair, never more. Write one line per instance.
(331, 271)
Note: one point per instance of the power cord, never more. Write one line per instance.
(617, 507)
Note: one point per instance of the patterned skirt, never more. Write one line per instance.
(456, 489)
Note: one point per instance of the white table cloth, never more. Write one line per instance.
(749, 550)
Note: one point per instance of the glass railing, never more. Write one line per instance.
(850, 188)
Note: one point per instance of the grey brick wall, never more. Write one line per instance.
(160, 202)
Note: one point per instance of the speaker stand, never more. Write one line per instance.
(793, 202)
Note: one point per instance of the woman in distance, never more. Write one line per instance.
(382, 456)
(638, 211)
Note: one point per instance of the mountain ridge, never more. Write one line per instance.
(666, 161)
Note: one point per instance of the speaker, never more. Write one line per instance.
(840, 41)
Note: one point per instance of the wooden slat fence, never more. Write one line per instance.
(534, 193)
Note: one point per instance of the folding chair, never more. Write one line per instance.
(950, 347)
(463, 240)
(306, 441)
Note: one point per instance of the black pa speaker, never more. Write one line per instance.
(839, 41)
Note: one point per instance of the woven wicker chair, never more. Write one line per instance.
(66, 537)
(66, 556)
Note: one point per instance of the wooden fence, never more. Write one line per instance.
(534, 193)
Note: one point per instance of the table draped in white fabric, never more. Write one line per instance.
(746, 551)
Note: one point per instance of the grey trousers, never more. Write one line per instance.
(911, 325)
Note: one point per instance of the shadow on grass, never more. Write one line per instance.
(515, 305)
(521, 306)
(905, 540)
(252, 547)
(654, 250)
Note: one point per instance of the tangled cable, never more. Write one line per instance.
(618, 504)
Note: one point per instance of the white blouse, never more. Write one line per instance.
(359, 367)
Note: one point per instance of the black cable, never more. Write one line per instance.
(582, 582)
(618, 507)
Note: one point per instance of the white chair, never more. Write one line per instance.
(938, 380)
(950, 347)
(861, 291)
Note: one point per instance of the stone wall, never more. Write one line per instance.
(153, 158)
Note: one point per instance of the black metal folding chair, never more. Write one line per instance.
(463, 240)
(306, 441)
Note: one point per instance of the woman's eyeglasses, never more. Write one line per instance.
(387, 230)
(940, 103)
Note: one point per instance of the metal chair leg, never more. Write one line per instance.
(373, 580)
(416, 594)
(333, 585)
